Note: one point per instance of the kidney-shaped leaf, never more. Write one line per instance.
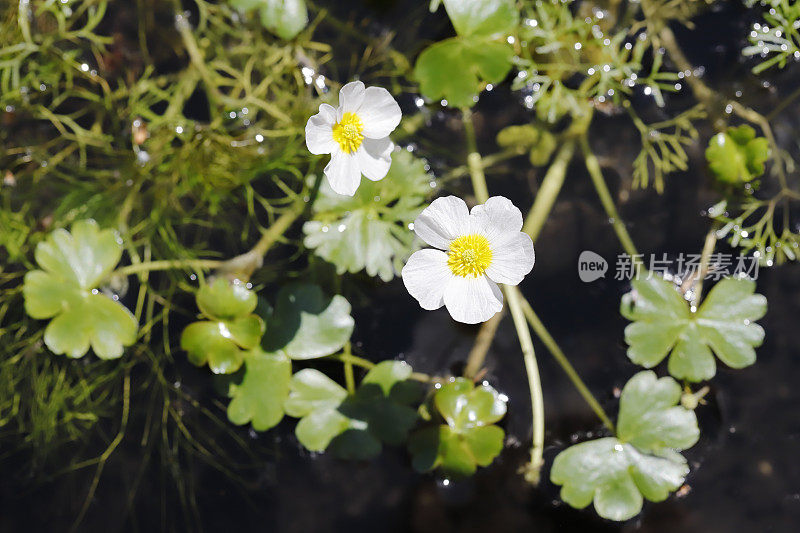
(307, 325)
(616, 476)
(222, 300)
(649, 417)
(260, 397)
(74, 264)
(663, 324)
(641, 462)
(490, 18)
(231, 331)
(457, 69)
(284, 18)
(469, 439)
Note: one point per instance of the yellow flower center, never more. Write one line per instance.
(348, 133)
(469, 256)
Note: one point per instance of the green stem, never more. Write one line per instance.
(201, 264)
(514, 298)
(548, 192)
(544, 336)
(348, 370)
(474, 162)
(593, 166)
(705, 257)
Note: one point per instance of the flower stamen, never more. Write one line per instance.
(348, 132)
(469, 256)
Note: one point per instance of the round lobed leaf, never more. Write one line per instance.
(260, 397)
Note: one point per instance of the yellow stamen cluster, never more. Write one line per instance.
(469, 256)
(348, 133)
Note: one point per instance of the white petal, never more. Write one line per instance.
(350, 97)
(343, 173)
(375, 157)
(379, 112)
(512, 258)
(472, 300)
(319, 131)
(442, 221)
(496, 217)
(425, 276)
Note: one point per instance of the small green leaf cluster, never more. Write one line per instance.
(777, 39)
(74, 265)
(642, 461)
(662, 323)
(231, 328)
(736, 155)
(457, 69)
(284, 18)
(303, 325)
(369, 231)
(467, 436)
(754, 229)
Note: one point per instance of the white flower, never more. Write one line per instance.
(476, 251)
(356, 135)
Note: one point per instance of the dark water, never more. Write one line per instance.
(745, 472)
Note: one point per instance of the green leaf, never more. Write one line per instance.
(314, 398)
(352, 427)
(641, 462)
(260, 397)
(649, 417)
(457, 69)
(232, 330)
(663, 324)
(311, 390)
(369, 231)
(616, 476)
(737, 155)
(490, 18)
(307, 325)
(73, 265)
(83, 257)
(284, 18)
(469, 438)
(223, 300)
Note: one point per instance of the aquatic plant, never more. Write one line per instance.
(166, 203)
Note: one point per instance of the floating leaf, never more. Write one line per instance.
(663, 324)
(73, 265)
(232, 329)
(353, 426)
(469, 438)
(284, 18)
(641, 462)
(307, 325)
(457, 69)
(369, 231)
(490, 18)
(737, 155)
(260, 397)
(314, 398)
